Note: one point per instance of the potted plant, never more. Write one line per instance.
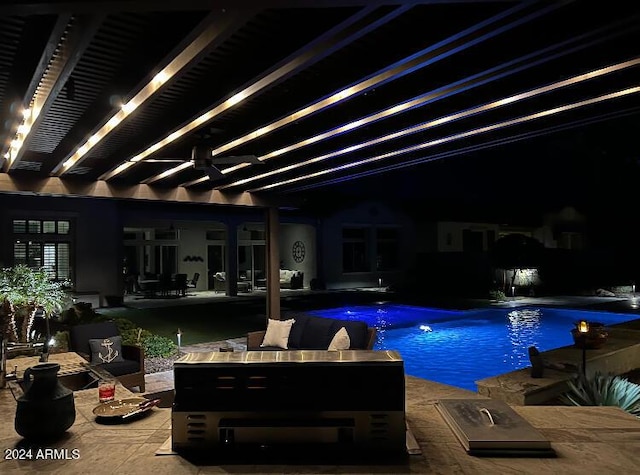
(23, 293)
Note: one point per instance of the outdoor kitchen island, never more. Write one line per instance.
(586, 440)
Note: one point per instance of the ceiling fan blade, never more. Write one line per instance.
(214, 173)
(164, 160)
(235, 159)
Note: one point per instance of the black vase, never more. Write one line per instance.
(46, 409)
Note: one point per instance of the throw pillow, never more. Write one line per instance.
(340, 341)
(106, 350)
(277, 333)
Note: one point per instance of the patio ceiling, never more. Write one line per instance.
(320, 92)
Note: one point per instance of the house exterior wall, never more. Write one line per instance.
(193, 244)
(298, 237)
(369, 215)
(450, 235)
(96, 237)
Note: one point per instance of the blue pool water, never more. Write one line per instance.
(465, 346)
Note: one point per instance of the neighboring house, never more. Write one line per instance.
(565, 229)
(451, 236)
(452, 254)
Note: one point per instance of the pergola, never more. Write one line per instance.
(147, 99)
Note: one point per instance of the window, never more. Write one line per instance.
(49, 227)
(63, 227)
(166, 259)
(53, 257)
(43, 244)
(19, 226)
(355, 252)
(166, 235)
(387, 245)
(491, 238)
(28, 253)
(34, 227)
(570, 240)
(472, 241)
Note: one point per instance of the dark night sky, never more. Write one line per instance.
(595, 168)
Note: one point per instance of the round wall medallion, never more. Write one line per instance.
(298, 251)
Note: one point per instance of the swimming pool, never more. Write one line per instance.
(461, 347)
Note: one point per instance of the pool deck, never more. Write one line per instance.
(603, 440)
(586, 439)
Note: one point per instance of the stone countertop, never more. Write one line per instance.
(587, 440)
(619, 355)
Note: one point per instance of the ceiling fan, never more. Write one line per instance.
(202, 159)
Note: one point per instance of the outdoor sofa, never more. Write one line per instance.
(315, 333)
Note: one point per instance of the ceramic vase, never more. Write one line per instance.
(46, 409)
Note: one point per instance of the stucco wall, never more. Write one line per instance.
(305, 237)
(96, 248)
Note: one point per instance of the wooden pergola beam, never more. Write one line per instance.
(55, 186)
(29, 7)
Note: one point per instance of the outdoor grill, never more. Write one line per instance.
(344, 402)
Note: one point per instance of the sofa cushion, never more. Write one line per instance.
(121, 368)
(297, 330)
(358, 334)
(340, 341)
(287, 274)
(318, 333)
(106, 350)
(277, 333)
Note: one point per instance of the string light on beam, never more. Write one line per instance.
(451, 138)
(420, 127)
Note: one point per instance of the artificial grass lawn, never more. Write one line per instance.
(198, 323)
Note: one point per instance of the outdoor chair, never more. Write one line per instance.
(180, 284)
(165, 285)
(194, 282)
(219, 282)
(127, 361)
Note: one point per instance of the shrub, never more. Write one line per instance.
(124, 324)
(158, 346)
(497, 295)
(135, 336)
(81, 313)
(61, 342)
(603, 390)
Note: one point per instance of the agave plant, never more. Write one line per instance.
(23, 291)
(603, 390)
